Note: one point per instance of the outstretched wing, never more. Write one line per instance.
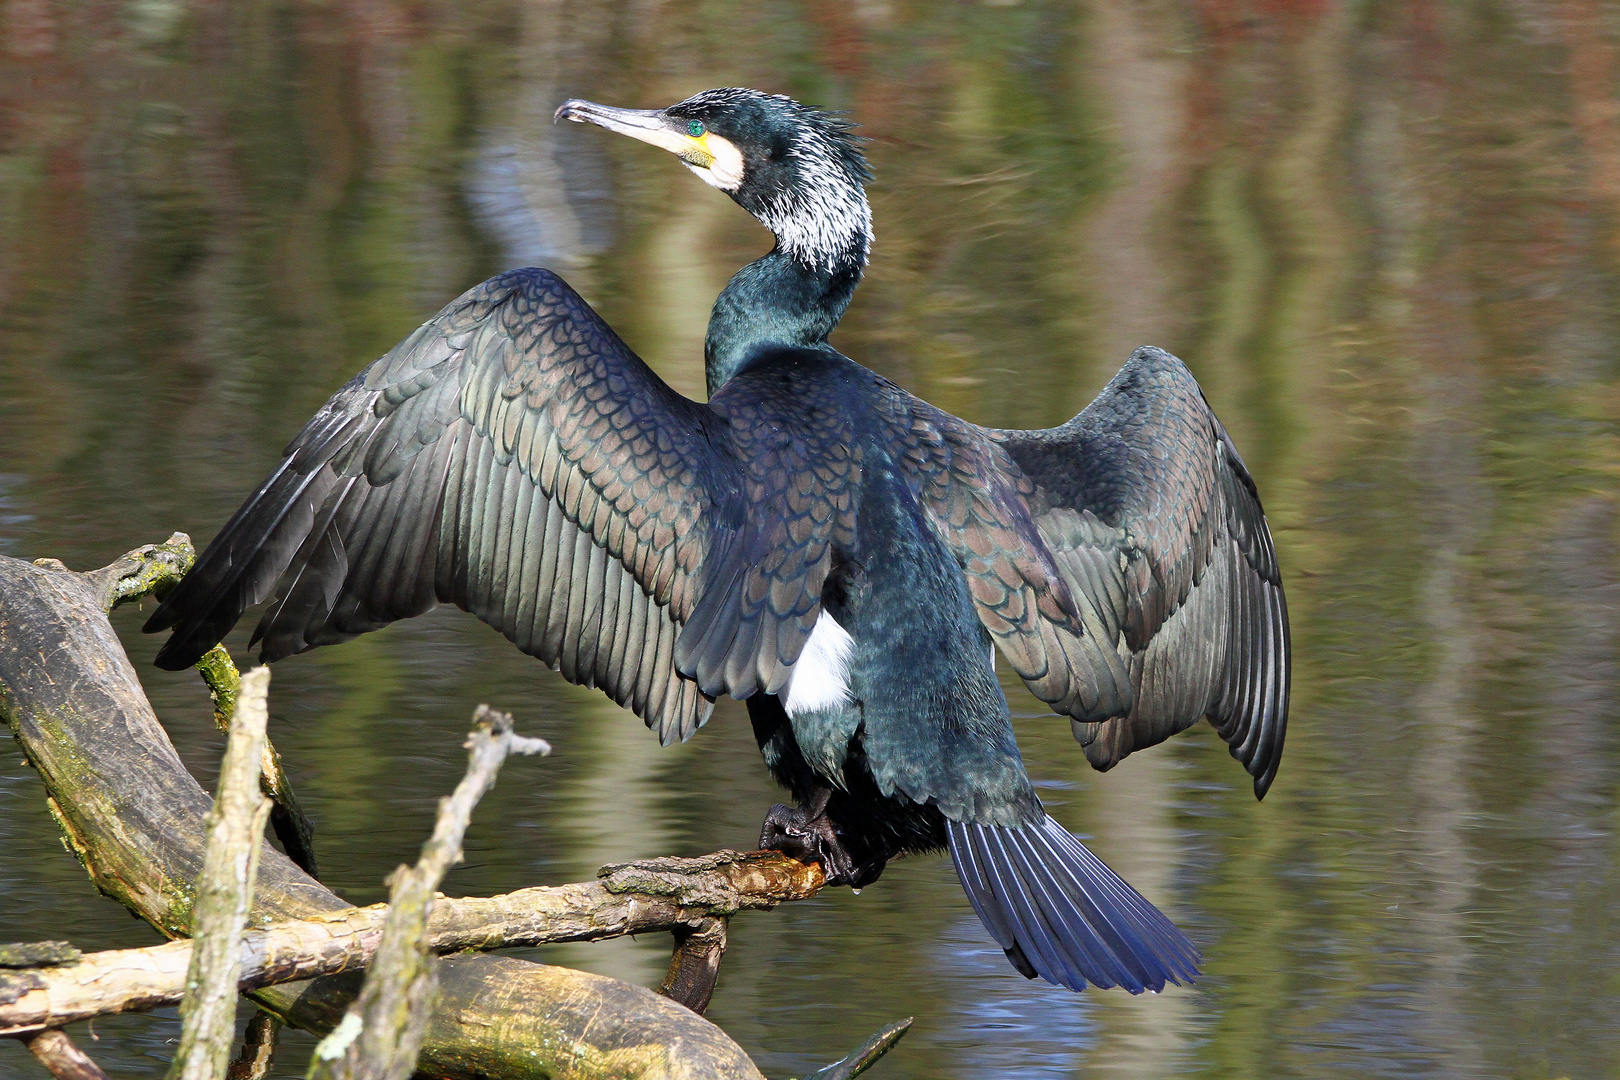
(979, 502)
(1152, 518)
(514, 457)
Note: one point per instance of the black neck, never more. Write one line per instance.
(776, 300)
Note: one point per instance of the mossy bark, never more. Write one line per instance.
(134, 817)
(292, 826)
(235, 828)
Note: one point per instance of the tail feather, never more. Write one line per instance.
(1060, 913)
(1078, 921)
(1133, 929)
(976, 883)
(1031, 913)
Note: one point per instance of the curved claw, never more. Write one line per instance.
(808, 836)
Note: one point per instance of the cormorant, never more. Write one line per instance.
(814, 540)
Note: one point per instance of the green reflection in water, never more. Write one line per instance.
(351, 743)
(1382, 235)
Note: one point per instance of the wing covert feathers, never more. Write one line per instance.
(799, 466)
(978, 500)
(511, 456)
(1154, 524)
(1060, 913)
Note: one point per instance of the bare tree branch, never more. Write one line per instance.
(225, 891)
(391, 1015)
(680, 895)
(66, 1061)
(292, 826)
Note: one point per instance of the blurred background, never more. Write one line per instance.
(1384, 234)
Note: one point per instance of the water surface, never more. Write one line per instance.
(1383, 235)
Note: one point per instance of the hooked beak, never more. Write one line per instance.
(648, 125)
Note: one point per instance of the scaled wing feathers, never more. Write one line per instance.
(1155, 527)
(511, 456)
(799, 468)
(978, 500)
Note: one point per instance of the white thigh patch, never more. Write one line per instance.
(820, 678)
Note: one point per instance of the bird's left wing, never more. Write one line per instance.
(512, 456)
(978, 501)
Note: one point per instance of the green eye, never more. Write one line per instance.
(694, 128)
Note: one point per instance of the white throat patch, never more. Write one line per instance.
(725, 169)
(820, 677)
(826, 218)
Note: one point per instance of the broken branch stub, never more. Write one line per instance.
(864, 1056)
(694, 969)
(258, 1049)
(57, 1053)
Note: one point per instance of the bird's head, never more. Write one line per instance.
(795, 168)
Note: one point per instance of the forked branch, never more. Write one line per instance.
(682, 896)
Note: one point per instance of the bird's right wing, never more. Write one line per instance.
(513, 457)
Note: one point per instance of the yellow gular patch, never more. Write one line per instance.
(724, 169)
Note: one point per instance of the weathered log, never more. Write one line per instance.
(34, 954)
(134, 816)
(632, 898)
